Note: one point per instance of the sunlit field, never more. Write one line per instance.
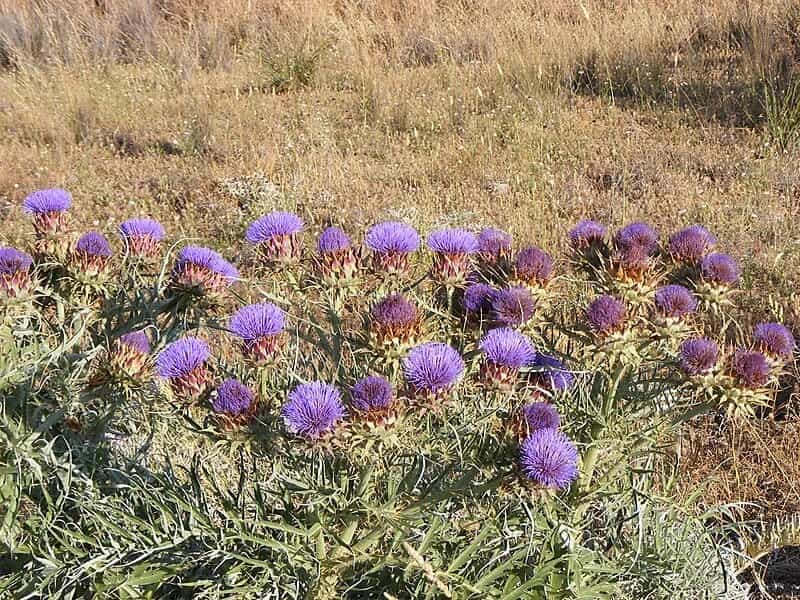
(399, 300)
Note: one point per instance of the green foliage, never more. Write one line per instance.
(782, 111)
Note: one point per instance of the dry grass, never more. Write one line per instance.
(188, 111)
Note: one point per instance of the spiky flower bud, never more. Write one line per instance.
(549, 459)
(336, 260)
(15, 272)
(432, 370)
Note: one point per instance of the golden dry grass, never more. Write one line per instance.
(527, 115)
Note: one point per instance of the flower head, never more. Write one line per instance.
(15, 267)
(278, 223)
(533, 266)
(336, 260)
(234, 399)
(392, 236)
(478, 298)
(774, 339)
(433, 368)
(637, 234)
(606, 314)
(698, 356)
(129, 357)
(277, 235)
(493, 244)
(181, 357)
(506, 347)
(203, 268)
(552, 373)
(549, 458)
(394, 317)
(587, 234)
(453, 241)
(391, 243)
(313, 410)
(48, 208)
(142, 236)
(259, 327)
(136, 340)
(540, 415)
(93, 245)
(675, 301)
(372, 393)
(689, 245)
(513, 306)
(453, 248)
(750, 368)
(183, 364)
(47, 201)
(333, 239)
(720, 269)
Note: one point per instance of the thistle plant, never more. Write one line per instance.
(350, 436)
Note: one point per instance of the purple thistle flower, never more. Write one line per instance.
(453, 241)
(333, 239)
(392, 243)
(433, 367)
(181, 357)
(48, 208)
(750, 368)
(259, 327)
(277, 236)
(255, 321)
(13, 261)
(336, 260)
(675, 301)
(689, 245)
(513, 306)
(391, 237)
(135, 228)
(313, 410)
(453, 248)
(493, 243)
(234, 399)
(372, 393)
(533, 266)
(774, 339)
(278, 223)
(42, 202)
(478, 298)
(553, 373)
(605, 314)
(142, 236)
(203, 268)
(93, 244)
(637, 234)
(541, 415)
(698, 356)
(395, 317)
(549, 458)
(720, 269)
(633, 261)
(506, 347)
(586, 234)
(15, 268)
(136, 340)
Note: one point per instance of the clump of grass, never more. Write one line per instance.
(782, 114)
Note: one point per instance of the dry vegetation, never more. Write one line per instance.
(528, 115)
